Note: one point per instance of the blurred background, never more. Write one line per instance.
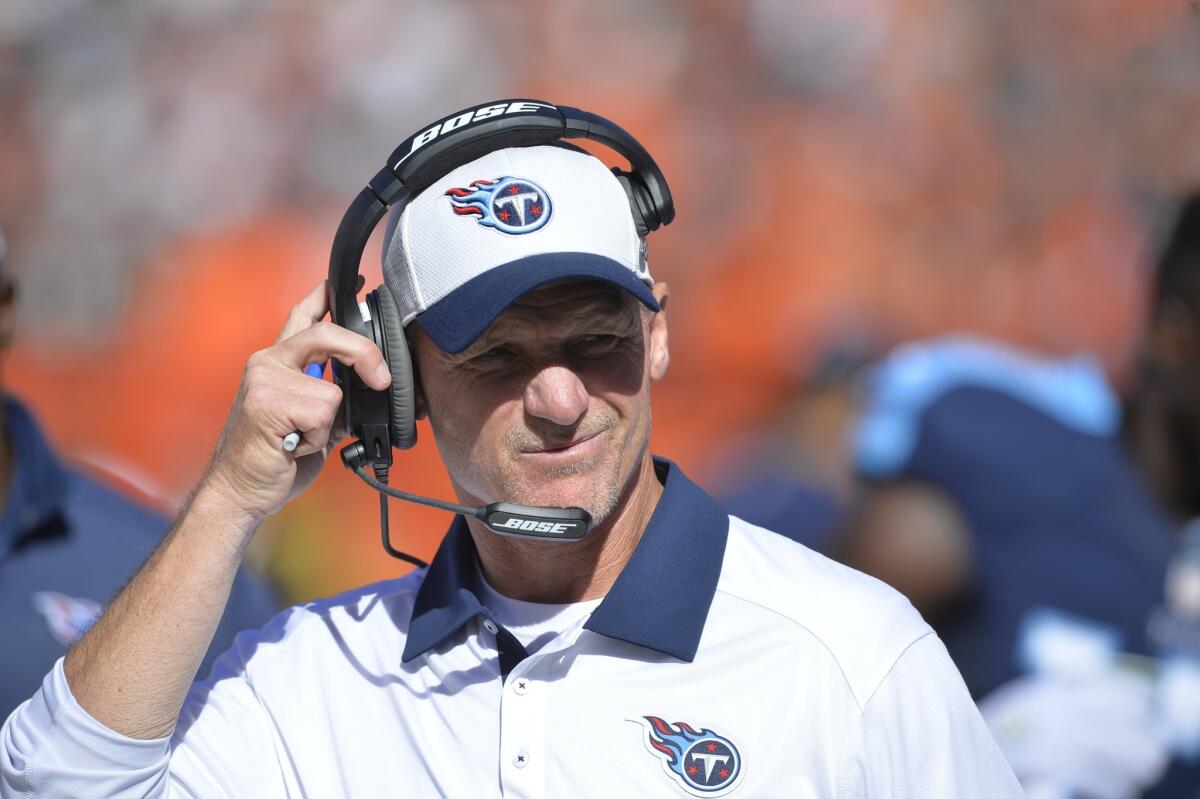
(848, 175)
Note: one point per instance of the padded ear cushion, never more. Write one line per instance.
(645, 218)
(395, 349)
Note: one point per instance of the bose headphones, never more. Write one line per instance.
(381, 420)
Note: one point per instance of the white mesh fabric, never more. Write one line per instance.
(434, 251)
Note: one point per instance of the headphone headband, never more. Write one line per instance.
(460, 138)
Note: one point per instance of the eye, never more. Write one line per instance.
(493, 353)
(598, 340)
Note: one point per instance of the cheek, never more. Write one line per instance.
(468, 417)
(622, 373)
(624, 391)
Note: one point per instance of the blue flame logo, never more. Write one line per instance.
(705, 763)
(508, 204)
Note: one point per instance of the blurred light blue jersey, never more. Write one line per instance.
(67, 546)
(1028, 448)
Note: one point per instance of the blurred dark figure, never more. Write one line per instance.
(794, 475)
(1036, 523)
(67, 544)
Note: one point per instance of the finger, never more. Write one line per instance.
(306, 313)
(270, 389)
(313, 419)
(312, 441)
(326, 340)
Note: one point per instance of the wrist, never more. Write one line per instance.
(215, 504)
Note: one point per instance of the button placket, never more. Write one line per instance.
(523, 732)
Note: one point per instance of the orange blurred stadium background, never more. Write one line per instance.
(171, 178)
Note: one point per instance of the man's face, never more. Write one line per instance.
(551, 405)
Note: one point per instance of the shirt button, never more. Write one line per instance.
(521, 686)
(522, 759)
(490, 626)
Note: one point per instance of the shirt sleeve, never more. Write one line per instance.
(921, 735)
(223, 746)
(251, 606)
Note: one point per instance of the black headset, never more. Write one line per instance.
(380, 420)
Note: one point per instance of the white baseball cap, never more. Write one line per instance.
(464, 249)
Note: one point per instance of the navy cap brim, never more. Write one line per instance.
(456, 320)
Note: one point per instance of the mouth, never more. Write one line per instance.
(579, 447)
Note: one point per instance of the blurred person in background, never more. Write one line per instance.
(794, 473)
(67, 545)
(1036, 523)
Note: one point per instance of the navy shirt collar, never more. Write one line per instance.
(37, 480)
(659, 601)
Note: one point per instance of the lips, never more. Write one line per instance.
(563, 448)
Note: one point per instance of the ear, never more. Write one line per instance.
(1172, 334)
(660, 355)
(8, 293)
(420, 407)
(414, 335)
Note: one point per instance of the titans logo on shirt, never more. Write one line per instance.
(507, 204)
(703, 762)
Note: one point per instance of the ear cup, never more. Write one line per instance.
(395, 349)
(645, 218)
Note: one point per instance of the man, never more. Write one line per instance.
(1035, 525)
(67, 544)
(672, 651)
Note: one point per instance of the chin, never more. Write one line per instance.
(565, 491)
(593, 487)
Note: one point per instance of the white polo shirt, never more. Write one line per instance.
(725, 660)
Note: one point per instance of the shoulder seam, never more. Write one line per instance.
(847, 759)
(892, 667)
(861, 705)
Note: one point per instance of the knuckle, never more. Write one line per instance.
(313, 412)
(255, 400)
(329, 415)
(331, 394)
(360, 345)
(367, 360)
(256, 360)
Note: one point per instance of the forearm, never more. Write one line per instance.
(132, 670)
(100, 724)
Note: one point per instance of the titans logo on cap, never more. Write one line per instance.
(507, 204)
(703, 762)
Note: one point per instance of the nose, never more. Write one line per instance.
(556, 394)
